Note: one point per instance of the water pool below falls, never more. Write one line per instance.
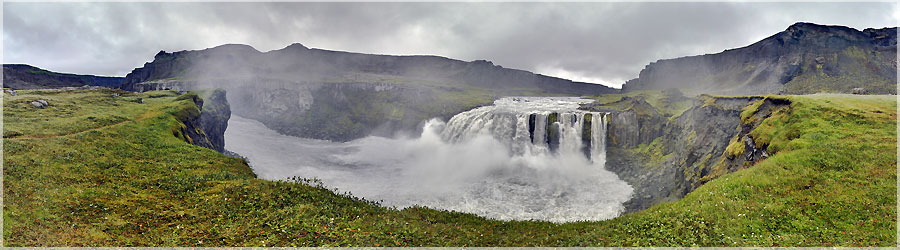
(521, 158)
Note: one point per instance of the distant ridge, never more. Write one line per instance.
(301, 64)
(342, 96)
(805, 58)
(22, 76)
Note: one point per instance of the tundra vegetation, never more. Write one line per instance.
(99, 169)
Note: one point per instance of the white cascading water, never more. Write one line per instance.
(508, 121)
(503, 161)
(598, 139)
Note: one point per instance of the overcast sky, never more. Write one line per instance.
(606, 43)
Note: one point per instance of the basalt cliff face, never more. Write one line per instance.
(665, 157)
(20, 76)
(214, 115)
(342, 96)
(205, 125)
(805, 58)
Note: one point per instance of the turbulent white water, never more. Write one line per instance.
(503, 161)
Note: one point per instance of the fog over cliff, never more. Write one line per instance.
(341, 96)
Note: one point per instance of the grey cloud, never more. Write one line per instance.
(605, 42)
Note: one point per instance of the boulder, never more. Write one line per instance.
(820, 60)
(40, 104)
(858, 91)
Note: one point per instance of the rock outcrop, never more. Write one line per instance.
(805, 58)
(206, 127)
(666, 157)
(214, 117)
(342, 96)
(20, 76)
(40, 104)
(743, 150)
(174, 85)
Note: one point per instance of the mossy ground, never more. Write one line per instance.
(653, 152)
(69, 181)
(667, 103)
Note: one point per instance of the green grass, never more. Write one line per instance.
(64, 115)
(735, 147)
(72, 182)
(656, 98)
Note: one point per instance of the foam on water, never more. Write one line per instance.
(485, 161)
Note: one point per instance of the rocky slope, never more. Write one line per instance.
(665, 155)
(805, 58)
(342, 96)
(20, 76)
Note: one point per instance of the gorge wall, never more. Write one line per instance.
(205, 124)
(214, 115)
(665, 156)
(334, 111)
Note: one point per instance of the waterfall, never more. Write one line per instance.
(598, 139)
(522, 158)
(535, 126)
(540, 130)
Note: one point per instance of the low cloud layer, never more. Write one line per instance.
(604, 43)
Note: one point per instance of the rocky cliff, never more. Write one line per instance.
(214, 117)
(342, 96)
(664, 156)
(803, 59)
(20, 76)
(205, 124)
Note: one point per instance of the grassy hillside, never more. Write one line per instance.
(98, 170)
